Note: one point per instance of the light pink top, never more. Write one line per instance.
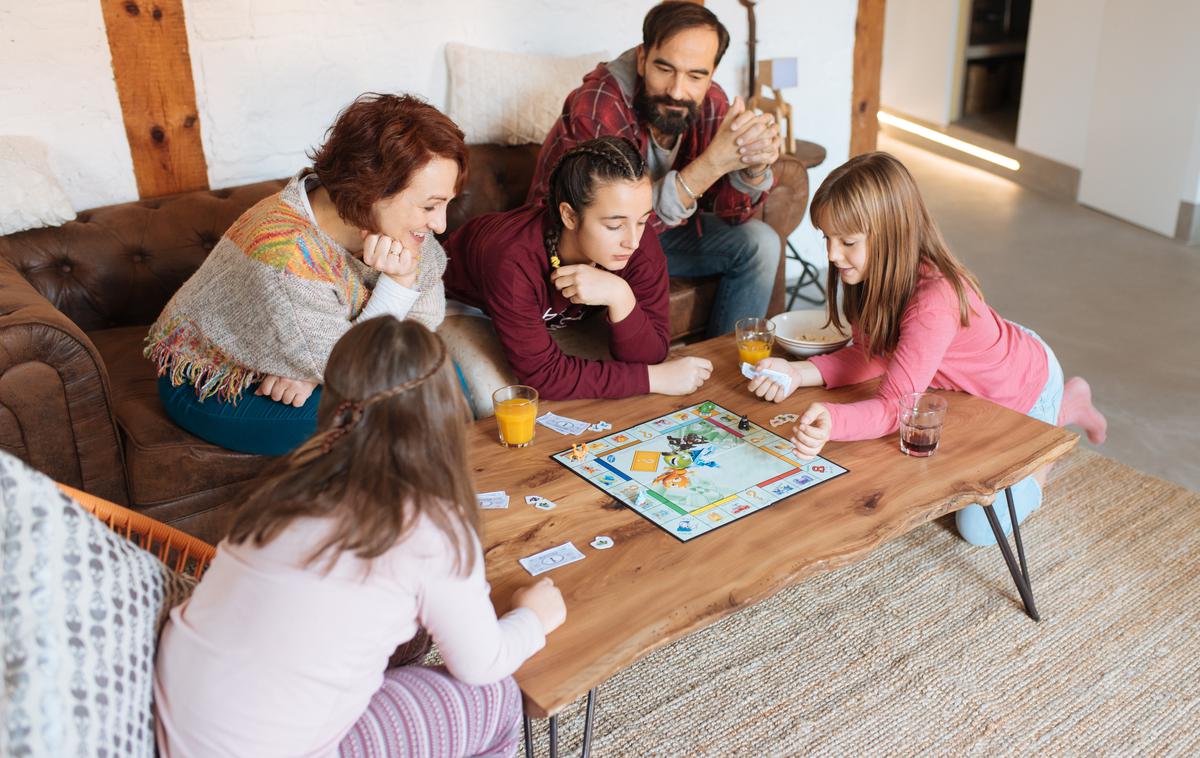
(268, 658)
(991, 358)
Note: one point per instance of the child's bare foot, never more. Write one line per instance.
(1077, 410)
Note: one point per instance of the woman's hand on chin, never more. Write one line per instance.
(389, 257)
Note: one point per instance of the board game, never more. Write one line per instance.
(693, 470)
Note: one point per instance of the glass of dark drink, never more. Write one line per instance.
(922, 415)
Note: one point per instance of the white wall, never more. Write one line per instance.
(820, 34)
(920, 48)
(1193, 165)
(56, 85)
(1139, 161)
(1060, 67)
(271, 75)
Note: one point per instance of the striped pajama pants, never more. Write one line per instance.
(423, 711)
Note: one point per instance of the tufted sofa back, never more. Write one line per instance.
(119, 265)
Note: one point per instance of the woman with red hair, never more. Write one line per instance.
(241, 348)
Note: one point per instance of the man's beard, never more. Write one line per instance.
(667, 122)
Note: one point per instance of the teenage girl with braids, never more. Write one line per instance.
(584, 251)
(339, 552)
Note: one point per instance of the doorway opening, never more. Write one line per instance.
(993, 65)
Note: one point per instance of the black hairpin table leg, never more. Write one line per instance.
(589, 717)
(1020, 573)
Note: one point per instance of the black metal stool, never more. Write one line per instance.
(811, 155)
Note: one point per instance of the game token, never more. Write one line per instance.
(783, 418)
(707, 409)
(744, 423)
(602, 542)
(578, 452)
(539, 502)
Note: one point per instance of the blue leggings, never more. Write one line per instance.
(971, 521)
(256, 424)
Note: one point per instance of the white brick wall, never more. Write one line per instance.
(56, 84)
(271, 75)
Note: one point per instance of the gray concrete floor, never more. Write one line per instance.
(1116, 302)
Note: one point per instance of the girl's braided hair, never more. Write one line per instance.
(574, 178)
(390, 449)
(349, 413)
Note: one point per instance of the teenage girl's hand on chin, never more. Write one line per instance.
(812, 432)
(585, 284)
(387, 256)
(545, 600)
(294, 392)
(679, 376)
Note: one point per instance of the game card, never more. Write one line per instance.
(547, 560)
(492, 500)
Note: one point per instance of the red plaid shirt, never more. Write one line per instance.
(599, 107)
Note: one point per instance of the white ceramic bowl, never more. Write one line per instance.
(803, 333)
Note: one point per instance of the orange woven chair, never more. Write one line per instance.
(178, 550)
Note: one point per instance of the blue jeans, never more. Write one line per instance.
(745, 256)
(256, 424)
(971, 521)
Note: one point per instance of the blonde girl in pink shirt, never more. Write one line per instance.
(919, 320)
(340, 553)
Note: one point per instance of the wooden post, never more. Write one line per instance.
(868, 62)
(153, 71)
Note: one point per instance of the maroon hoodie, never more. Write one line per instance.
(498, 263)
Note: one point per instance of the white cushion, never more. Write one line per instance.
(30, 195)
(510, 98)
(83, 608)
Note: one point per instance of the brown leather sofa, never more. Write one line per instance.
(77, 399)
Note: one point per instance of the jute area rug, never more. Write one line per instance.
(924, 649)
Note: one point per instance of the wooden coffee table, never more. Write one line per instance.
(625, 602)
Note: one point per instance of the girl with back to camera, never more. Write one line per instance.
(339, 552)
(918, 320)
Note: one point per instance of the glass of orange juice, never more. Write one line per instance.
(516, 414)
(755, 338)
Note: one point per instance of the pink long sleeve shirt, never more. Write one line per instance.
(272, 658)
(992, 358)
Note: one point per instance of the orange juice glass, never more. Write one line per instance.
(755, 338)
(516, 414)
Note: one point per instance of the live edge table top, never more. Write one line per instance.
(651, 589)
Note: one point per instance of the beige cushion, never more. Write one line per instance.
(473, 344)
(510, 98)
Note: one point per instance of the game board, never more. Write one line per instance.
(691, 472)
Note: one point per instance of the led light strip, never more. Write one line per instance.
(951, 142)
